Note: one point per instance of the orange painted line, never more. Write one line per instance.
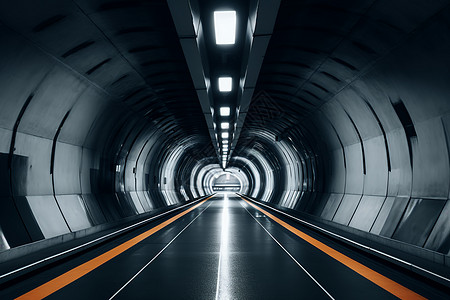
(70, 276)
(382, 281)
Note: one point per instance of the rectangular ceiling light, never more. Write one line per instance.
(224, 125)
(225, 111)
(225, 27)
(225, 84)
(225, 135)
(225, 142)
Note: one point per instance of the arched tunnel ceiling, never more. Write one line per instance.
(127, 48)
(319, 48)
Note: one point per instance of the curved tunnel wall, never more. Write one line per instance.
(389, 166)
(72, 154)
(375, 156)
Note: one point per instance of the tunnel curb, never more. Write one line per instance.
(34, 259)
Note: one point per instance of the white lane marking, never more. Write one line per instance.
(97, 239)
(161, 251)
(401, 261)
(289, 254)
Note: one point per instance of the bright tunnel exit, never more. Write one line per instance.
(226, 182)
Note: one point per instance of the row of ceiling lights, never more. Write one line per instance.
(225, 31)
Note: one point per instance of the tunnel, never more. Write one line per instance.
(226, 182)
(296, 126)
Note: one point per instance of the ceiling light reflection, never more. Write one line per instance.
(223, 275)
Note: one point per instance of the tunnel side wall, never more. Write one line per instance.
(382, 147)
(72, 155)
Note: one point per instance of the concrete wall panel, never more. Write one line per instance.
(74, 211)
(86, 109)
(346, 209)
(366, 213)
(376, 178)
(332, 204)
(37, 176)
(41, 121)
(95, 212)
(13, 228)
(5, 140)
(360, 113)
(382, 215)
(67, 164)
(48, 215)
(431, 176)
(337, 179)
(418, 220)
(145, 200)
(372, 89)
(323, 130)
(137, 202)
(400, 177)
(338, 117)
(21, 71)
(439, 238)
(141, 183)
(89, 163)
(354, 181)
(394, 215)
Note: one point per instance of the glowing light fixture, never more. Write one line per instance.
(225, 135)
(225, 27)
(225, 84)
(224, 125)
(224, 111)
